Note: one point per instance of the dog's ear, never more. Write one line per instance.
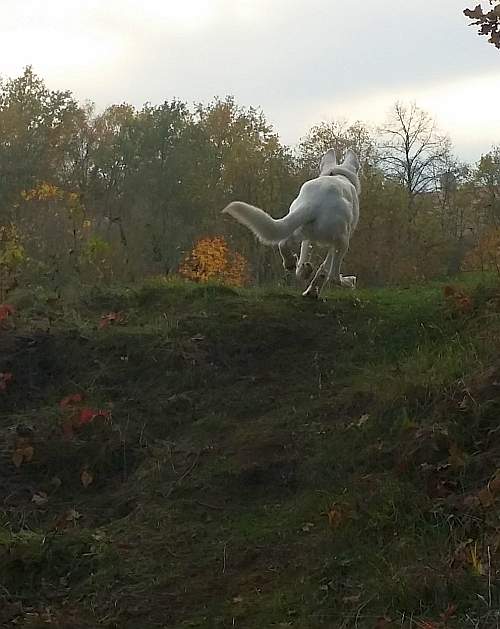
(351, 161)
(328, 161)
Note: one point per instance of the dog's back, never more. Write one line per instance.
(333, 208)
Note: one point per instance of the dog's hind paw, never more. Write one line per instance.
(348, 281)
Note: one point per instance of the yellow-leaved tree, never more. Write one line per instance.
(486, 255)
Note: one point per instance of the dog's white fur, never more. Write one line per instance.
(326, 212)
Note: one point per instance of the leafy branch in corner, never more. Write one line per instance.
(489, 22)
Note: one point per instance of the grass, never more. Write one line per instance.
(266, 461)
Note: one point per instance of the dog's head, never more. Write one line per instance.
(329, 166)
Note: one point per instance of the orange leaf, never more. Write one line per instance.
(335, 517)
(28, 453)
(17, 458)
(111, 317)
(23, 453)
(86, 478)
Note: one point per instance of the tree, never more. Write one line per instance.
(489, 22)
(339, 135)
(245, 161)
(36, 125)
(412, 152)
(487, 177)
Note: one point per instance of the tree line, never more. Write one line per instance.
(126, 193)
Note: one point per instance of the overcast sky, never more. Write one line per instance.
(302, 61)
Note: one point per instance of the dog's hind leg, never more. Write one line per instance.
(304, 267)
(322, 275)
(340, 249)
(289, 258)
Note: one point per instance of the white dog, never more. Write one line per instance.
(326, 212)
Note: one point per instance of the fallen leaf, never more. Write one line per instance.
(6, 311)
(351, 600)
(71, 400)
(429, 624)
(494, 485)
(65, 519)
(486, 497)
(72, 515)
(6, 378)
(457, 458)
(362, 420)
(17, 458)
(335, 517)
(111, 317)
(40, 498)
(23, 453)
(86, 478)
(28, 453)
(86, 416)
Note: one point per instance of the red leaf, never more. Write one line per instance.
(111, 317)
(6, 310)
(71, 400)
(5, 378)
(86, 416)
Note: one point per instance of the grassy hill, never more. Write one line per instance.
(174, 456)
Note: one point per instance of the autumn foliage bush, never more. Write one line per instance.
(486, 255)
(213, 259)
(458, 301)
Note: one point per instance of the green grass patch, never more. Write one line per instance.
(262, 460)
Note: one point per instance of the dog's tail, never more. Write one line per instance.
(267, 229)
